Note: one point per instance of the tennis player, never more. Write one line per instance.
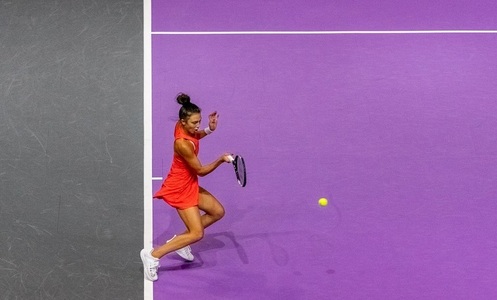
(181, 190)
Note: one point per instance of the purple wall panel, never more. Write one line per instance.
(227, 15)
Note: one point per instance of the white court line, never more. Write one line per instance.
(148, 288)
(340, 32)
(157, 178)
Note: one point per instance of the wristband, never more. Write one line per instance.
(208, 131)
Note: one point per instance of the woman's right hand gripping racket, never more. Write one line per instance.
(240, 172)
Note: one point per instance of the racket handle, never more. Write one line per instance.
(231, 158)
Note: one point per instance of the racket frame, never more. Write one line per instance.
(241, 180)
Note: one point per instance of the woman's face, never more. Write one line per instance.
(192, 123)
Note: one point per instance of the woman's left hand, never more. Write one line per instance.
(213, 121)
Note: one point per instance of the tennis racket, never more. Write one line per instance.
(240, 171)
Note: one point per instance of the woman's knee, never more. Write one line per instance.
(219, 213)
(196, 235)
(216, 212)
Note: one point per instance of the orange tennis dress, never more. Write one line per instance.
(180, 188)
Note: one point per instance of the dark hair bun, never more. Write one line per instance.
(183, 98)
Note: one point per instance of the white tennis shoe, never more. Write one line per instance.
(185, 252)
(150, 265)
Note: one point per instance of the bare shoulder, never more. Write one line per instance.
(183, 146)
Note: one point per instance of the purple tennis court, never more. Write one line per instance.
(397, 131)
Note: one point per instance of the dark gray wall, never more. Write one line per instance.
(71, 141)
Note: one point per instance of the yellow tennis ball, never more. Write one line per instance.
(323, 201)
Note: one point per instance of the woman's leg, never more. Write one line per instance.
(194, 232)
(213, 209)
(194, 223)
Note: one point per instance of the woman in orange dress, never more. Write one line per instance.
(181, 190)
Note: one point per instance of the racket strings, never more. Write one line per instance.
(240, 171)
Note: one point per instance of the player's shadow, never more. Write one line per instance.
(278, 253)
(214, 241)
(228, 240)
(210, 242)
